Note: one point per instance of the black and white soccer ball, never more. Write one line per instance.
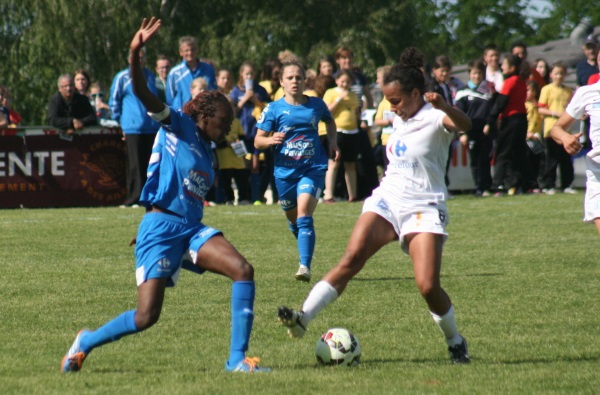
(338, 346)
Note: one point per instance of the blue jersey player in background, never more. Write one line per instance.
(180, 174)
(300, 159)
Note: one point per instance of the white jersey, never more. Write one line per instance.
(417, 153)
(587, 101)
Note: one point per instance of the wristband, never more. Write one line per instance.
(159, 116)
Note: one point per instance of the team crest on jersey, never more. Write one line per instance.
(397, 149)
(262, 114)
(298, 148)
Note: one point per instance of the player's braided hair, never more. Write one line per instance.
(205, 103)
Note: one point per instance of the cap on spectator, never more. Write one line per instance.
(591, 40)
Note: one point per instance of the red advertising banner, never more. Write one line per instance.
(45, 168)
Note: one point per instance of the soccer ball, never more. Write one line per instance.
(338, 346)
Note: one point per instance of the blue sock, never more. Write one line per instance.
(254, 187)
(242, 317)
(306, 239)
(120, 326)
(293, 228)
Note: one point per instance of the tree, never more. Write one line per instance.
(43, 39)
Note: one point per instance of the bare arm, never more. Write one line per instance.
(334, 151)
(263, 140)
(454, 119)
(141, 37)
(559, 133)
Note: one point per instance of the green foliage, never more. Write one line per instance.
(43, 39)
(522, 273)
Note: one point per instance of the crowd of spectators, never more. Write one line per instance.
(512, 103)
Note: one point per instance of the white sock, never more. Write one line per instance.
(320, 296)
(447, 325)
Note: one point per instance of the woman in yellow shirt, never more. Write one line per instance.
(344, 107)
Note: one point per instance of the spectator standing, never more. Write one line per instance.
(233, 167)
(138, 128)
(588, 66)
(554, 99)
(535, 145)
(519, 49)
(4, 112)
(249, 99)
(384, 118)
(82, 81)
(345, 109)
(181, 76)
(440, 75)
(509, 108)
(224, 81)
(476, 101)
(68, 109)
(102, 109)
(270, 76)
(326, 66)
(493, 72)
(13, 118)
(344, 57)
(543, 68)
(163, 67)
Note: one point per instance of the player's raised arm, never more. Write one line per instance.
(141, 37)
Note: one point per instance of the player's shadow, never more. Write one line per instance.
(411, 278)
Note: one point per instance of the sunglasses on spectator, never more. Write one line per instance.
(95, 95)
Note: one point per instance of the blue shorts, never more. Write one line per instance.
(289, 188)
(163, 241)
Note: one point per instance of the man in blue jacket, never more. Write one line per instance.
(181, 76)
(138, 128)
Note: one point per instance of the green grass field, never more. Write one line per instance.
(522, 272)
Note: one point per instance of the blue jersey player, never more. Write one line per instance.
(180, 174)
(290, 125)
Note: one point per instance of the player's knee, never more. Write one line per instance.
(428, 288)
(145, 319)
(352, 261)
(242, 270)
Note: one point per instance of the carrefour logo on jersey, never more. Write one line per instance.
(299, 147)
(397, 149)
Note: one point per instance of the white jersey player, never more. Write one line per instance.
(409, 206)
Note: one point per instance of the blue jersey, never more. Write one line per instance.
(302, 149)
(127, 109)
(180, 80)
(180, 171)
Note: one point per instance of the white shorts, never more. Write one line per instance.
(592, 191)
(409, 216)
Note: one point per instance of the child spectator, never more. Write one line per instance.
(102, 109)
(384, 117)
(535, 152)
(233, 167)
(554, 98)
(476, 101)
(345, 109)
(198, 85)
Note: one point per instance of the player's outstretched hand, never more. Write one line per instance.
(146, 30)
